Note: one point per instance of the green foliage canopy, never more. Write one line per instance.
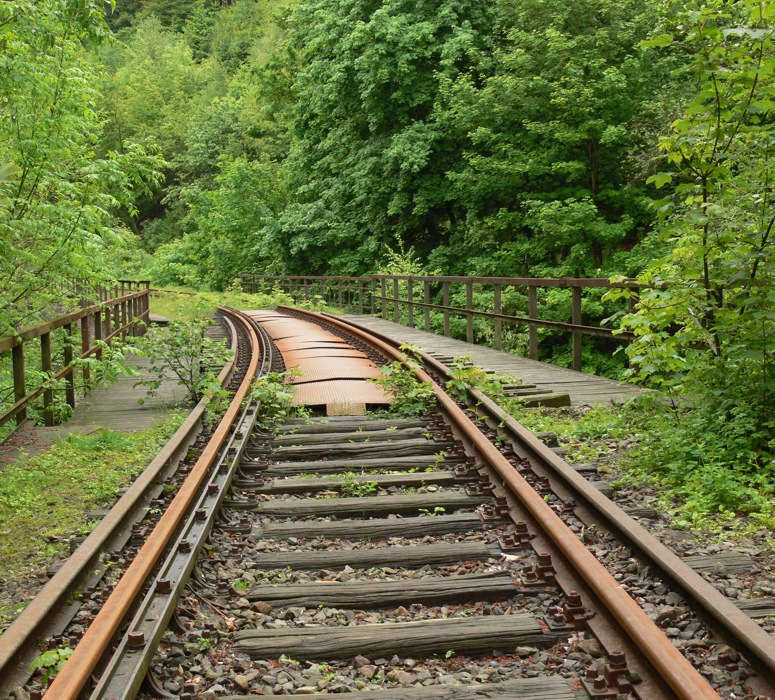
(59, 191)
(369, 159)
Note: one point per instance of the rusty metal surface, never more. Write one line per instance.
(325, 372)
(76, 672)
(339, 391)
(280, 333)
(280, 327)
(18, 642)
(331, 372)
(297, 344)
(737, 626)
(293, 356)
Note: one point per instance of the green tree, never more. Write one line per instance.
(369, 156)
(58, 193)
(199, 28)
(172, 13)
(226, 225)
(548, 184)
(707, 328)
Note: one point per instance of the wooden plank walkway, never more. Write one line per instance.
(584, 389)
(115, 407)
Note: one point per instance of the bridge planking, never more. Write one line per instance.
(583, 389)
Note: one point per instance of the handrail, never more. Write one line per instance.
(123, 315)
(404, 295)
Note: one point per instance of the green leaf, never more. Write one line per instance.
(659, 179)
(658, 40)
(8, 171)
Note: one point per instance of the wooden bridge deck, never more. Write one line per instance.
(581, 387)
(115, 407)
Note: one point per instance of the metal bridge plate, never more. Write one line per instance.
(333, 373)
(340, 392)
(291, 357)
(298, 344)
(324, 371)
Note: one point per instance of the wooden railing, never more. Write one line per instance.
(409, 298)
(351, 293)
(124, 314)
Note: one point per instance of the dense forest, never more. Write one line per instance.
(193, 140)
(188, 141)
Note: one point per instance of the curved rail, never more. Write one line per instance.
(128, 666)
(674, 668)
(737, 627)
(76, 672)
(51, 607)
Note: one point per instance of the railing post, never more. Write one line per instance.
(498, 324)
(340, 294)
(69, 378)
(116, 314)
(396, 308)
(45, 366)
(445, 304)
(108, 319)
(147, 308)
(384, 300)
(323, 290)
(426, 297)
(124, 316)
(19, 380)
(361, 295)
(576, 320)
(469, 309)
(410, 298)
(85, 343)
(98, 332)
(532, 312)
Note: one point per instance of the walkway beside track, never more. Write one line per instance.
(583, 389)
(115, 407)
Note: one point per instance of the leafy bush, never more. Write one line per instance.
(273, 392)
(411, 397)
(465, 374)
(705, 326)
(184, 351)
(352, 487)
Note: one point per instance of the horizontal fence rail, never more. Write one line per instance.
(411, 299)
(126, 313)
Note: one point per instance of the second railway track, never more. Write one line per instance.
(393, 558)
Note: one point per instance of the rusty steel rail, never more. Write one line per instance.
(734, 625)
(129, 663)
(76, 672)
(50, 608)
(682, 678)
(53, 607)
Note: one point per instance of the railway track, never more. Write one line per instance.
(437, 557)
